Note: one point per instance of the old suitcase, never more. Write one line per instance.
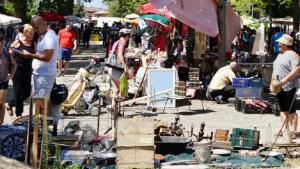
(245, 138)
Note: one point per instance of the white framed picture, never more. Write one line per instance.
(161, 85)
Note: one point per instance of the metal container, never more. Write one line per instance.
(202, 152)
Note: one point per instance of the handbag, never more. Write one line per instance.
(113, 62)
(59, 93)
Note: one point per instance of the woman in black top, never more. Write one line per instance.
(22, 78)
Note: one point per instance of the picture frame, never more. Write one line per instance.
(161, 81)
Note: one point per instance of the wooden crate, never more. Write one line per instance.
(135, 140)
(135, 125)
(135, 157)
(135, 166)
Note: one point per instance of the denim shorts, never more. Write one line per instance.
(66, 54)
(42, 86)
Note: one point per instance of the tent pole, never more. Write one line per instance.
(222, 31)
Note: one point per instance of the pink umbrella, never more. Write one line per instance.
(200, 15)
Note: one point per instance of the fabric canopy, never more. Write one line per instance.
(200, 15)
(233, 26)
(7, 20)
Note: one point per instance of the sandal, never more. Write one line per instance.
(9, 110)
(294, 135)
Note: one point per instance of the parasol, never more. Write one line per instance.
(155, 19)
(149, 8)
(73, 19)
(132, 16)
(51, 16)
(200, 15)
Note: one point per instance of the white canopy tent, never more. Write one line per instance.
(108, 20)
(6, 20)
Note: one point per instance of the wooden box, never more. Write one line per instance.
(135, 143)
(135, 125)
(245, 138)
(131, 157)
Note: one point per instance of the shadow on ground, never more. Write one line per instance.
(195, 112)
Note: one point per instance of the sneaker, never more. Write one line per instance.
(220, 101)
(9, 110)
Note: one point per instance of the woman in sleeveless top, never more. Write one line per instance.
(22, 78)
(119, 50)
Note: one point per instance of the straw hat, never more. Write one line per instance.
(286, 40)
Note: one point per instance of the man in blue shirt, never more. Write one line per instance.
(274, 43)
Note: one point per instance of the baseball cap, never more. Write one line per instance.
(124, 31)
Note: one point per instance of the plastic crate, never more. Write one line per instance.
(256, 82)
(249, 92)
(240, 82)
(246, 82)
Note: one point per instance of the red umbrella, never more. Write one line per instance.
(51, 16)
(149, 8)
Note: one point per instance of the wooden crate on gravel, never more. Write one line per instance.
(135, 143)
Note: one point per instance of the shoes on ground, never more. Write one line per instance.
(220, 101)
(9, 110)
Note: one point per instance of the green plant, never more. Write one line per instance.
(73, 166)
(57, 160)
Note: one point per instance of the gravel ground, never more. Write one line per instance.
(215, 116)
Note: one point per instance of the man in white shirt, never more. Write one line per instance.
(44, 60)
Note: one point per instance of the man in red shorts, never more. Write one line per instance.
(67, 42)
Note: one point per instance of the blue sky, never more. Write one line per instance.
(95, 3)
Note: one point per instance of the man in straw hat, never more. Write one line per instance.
(285, 77)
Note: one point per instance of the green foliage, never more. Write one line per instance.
(244, 7)
(78, 10)
(120, 8)
(9, 8)
(61, 7)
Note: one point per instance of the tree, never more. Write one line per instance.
(121, 8)
(249, 7)
(78, 10)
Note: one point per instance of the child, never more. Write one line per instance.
(7, 70)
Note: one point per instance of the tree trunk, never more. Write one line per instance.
(222, 32)
(20, 10)
(296, 16)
